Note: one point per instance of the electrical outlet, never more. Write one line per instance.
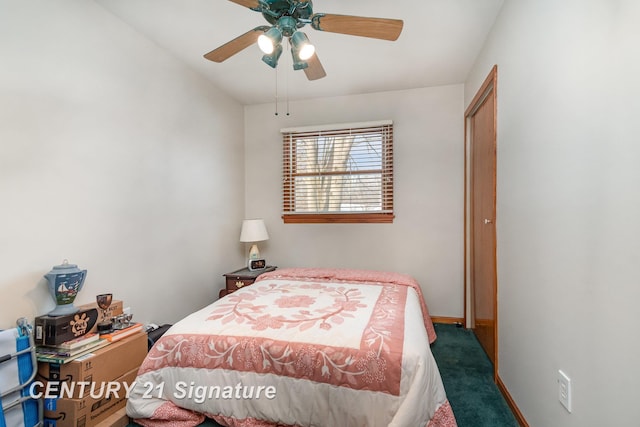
(564, 390)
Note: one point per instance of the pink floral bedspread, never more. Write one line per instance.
(299, 347)
(357, 276)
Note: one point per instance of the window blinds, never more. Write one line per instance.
(341, 170)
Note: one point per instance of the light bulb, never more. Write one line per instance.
(303, 48)
(269, 40)
(265, 44)
(306, 51)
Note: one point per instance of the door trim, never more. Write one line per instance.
(489, 84)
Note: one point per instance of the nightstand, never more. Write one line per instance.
(241, 278)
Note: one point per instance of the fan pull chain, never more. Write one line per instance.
(276, 74)
(286, 79)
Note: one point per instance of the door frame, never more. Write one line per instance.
(490, 84)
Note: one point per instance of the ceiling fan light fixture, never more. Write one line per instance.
(269, 40)
(285, 18)
(298, 64)
(302, 46)
(272, 59)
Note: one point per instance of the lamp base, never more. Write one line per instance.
(254, 253)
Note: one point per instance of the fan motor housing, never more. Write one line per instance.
(275, 9)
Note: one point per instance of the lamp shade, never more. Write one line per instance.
(253, 230)
(269, 40)
(302, 46)
(272, 59)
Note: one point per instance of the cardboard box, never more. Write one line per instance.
(114, 309)
(92, 409)
(118, 419)
(105, 364)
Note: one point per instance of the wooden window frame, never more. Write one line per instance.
(386, 215)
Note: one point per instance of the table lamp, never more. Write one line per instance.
(253, 230)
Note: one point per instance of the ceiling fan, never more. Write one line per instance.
(286, 18)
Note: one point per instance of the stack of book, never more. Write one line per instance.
(70, 350)
(117, 334)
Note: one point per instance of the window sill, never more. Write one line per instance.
(369, 218)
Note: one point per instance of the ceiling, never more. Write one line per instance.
(438, 45)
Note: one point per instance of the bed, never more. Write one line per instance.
(299, 347)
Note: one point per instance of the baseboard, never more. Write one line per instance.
(448, 320)
(511, 403)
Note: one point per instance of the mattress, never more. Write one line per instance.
(299, 347)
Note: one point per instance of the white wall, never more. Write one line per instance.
(568, 206)
(115, 156)
(425, 240)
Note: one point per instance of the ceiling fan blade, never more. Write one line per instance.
(315, 70)
(229, 49)
(377, 28)
(251, 4)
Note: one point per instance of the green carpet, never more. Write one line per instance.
(467, 374)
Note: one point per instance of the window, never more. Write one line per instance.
(339, 173)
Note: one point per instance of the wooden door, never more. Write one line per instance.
(481, 137)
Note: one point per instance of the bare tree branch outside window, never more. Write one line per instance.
(340, 172)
